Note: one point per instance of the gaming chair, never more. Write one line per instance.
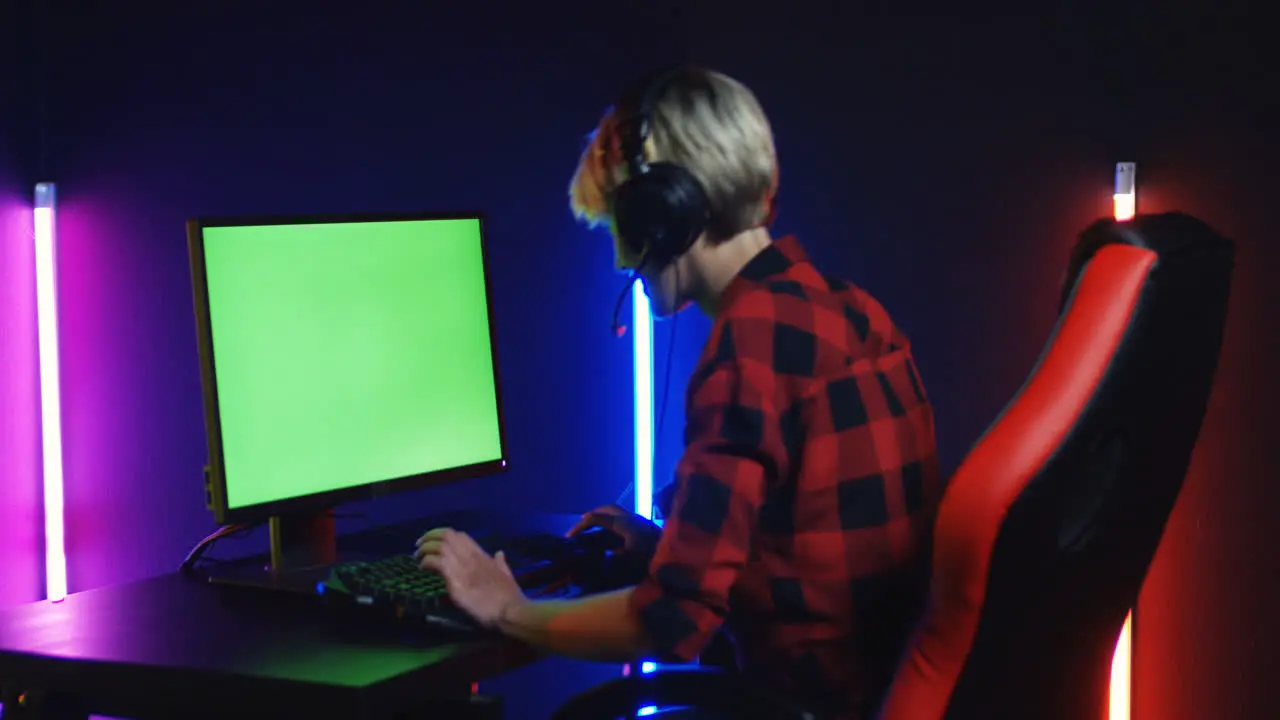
(1048, 527)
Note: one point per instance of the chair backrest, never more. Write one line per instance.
(1048, 527)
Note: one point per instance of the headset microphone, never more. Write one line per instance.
(620, 329)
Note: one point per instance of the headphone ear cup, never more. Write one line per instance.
(638, 215)
(662, 211)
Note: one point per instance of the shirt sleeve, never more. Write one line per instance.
(734, 451)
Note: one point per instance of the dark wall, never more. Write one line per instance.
(945, 164)
(21, 521)
(1207, 622)
(232, 110)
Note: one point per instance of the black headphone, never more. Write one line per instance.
(661, 208)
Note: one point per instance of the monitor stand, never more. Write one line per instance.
(303, 547)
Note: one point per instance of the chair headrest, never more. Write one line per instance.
(1172, 236)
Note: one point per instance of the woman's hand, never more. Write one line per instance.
(639, 534)
(479, 583)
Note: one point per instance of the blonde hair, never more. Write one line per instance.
(710, 124)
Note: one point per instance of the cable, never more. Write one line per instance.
(662, 404)
(240, 530)
(666, 380)
(197, 553)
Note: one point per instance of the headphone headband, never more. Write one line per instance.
(636, 116)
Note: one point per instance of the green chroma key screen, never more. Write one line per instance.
(349, 353)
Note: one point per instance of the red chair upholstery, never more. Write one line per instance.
(1048, 527)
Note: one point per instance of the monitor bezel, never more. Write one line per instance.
(216, 481)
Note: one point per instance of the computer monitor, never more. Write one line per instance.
(343, 358)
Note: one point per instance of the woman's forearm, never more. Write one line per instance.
(600, 627)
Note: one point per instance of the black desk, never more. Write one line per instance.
(179, 647)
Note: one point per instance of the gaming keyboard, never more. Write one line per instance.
(397, 585)
(542, 565)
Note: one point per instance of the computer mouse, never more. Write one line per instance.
(599, 540)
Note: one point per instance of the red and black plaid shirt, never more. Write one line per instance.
(801, 510)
